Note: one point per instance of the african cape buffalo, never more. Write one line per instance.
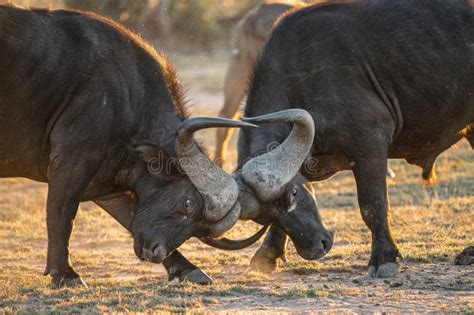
(381, 79)
(90, 109)
(247, 40)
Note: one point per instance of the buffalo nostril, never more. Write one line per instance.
(159, 253)
(156, 255)
(326, 246)
(147, 254)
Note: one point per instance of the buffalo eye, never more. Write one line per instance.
(292, 195)
(188, 204)
(187, 209)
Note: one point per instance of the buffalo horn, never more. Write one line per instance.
(267, 174)
(217, 188)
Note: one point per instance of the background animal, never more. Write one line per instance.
(247, 39)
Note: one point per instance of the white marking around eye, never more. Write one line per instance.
(293, 206)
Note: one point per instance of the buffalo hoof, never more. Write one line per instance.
(265, 265)
(388, 270)
(196, 276)
(266, 260)
(67, 282)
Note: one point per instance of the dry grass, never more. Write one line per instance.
(429, 231)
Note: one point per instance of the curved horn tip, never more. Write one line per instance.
(246, 119)
(242, 124)
(228, 244)
(256, 120)
(194, 124)
(289, 115)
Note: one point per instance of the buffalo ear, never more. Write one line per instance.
(150, 151)
(157, 159)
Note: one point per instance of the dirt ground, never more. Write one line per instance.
(430, 231)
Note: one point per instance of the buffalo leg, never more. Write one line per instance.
(373, 203)
(77, 149)
(121, 208)
(235, 87)
(272, 248)
(470, 135)
(67, 183)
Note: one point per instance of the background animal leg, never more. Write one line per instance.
(235, 87)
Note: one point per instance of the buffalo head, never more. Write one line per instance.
(272, 191)
(184, 196)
